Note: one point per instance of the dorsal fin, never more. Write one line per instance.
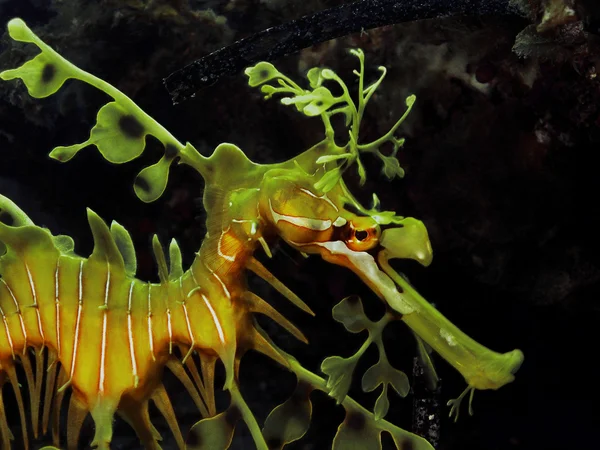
(159, 255)
(105, 248)
(176, 266)
(125, 246)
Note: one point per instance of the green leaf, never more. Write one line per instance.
(125, 245)
(381, 405)
(313, 103)
(386, 217)
(383, 372)
(329, 180)
(175, 262)
(406, 440)
(314, 77)
(261, 73)
(214, 433)
(351, 314)
(42, 76)
(328, 158)
(411, 241)
(357, 432)
(118, 134)
(289, 421)
(268, 90)
(151, 182)
(339, 371)
(391, 167)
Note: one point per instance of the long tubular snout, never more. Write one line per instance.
(481, 367)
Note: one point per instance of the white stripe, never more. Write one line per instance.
(104, 319)
(10, 342)
(77, 323)
(304, 222)
(150, 337)
(57, 303)
(35, 305)
(187, 318)
(18, 311)
(322, 197)
(225, 290)
(130, 333)
(220, 252)
(215, 319)
(170, 329)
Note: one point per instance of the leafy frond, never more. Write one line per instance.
(319, 101)
(350, 313)
(121, 125)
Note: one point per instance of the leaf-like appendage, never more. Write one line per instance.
(328, 181)
(214, 433)
(261, 73)
(339, 371)
(383, 372)
(357, 432)
(118, 134)
(175, 263)
(121, 126)
(314, 103)
(405, 440)
(161, 261)
(289, 421)
(391, 167)
(65, 244)
(41, 76)
(151, 182)
(105, 247)
(125, 246)
(411, 241)
(381, 405)
(351, 314)
(360, 431)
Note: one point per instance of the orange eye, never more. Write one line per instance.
(362, 239)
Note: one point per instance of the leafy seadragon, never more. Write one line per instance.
(74, 312)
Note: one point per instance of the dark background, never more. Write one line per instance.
(502, 166)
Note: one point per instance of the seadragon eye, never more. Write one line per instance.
(362, 239)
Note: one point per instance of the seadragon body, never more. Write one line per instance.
(107, 336)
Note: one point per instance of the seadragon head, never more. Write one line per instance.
(336, 227)
(308, 204)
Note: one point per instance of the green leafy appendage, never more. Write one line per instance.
(319, 101)
(121, 126)
(339, 370)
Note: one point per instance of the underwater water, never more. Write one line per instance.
(500, 160)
